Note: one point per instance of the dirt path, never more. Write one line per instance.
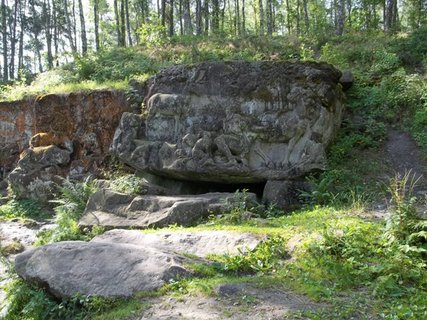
(405, 155)
(231, 301)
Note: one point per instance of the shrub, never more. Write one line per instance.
(266, 257)
(71, 204)
(27, 303)
(23, 209)
(129, 184)
(114, 64)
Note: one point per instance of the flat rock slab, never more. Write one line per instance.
(199, 243)
(96, 268)
(113, 209)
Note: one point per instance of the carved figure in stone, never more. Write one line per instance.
(203, 149)
(246, 122)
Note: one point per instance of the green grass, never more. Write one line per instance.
(22, 91)
(24, 209)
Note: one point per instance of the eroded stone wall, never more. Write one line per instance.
(87, 119)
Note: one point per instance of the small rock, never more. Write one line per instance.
(347, 80)
(229, 289)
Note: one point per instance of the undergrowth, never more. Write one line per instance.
(27, 302)
(24, 209)
(71, 203)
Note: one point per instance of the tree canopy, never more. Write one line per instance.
(40, 34)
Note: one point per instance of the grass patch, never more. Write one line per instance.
(24, 209)
(22, 91)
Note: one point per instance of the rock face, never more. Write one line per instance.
(234, 122)
(95, 268)
(198, 243)
(87, 119)
(38, 170)
(112, 209)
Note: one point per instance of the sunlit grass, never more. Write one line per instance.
(22, 91)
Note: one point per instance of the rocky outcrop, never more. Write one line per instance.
(39, 171)
(87, 119)
(234, 122)
(113, 209)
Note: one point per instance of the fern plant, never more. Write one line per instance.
(403, 226)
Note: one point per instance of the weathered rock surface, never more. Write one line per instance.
(113, 209)
(284, 194)
(38, 172)
(234, 122)
(95, 268)
(120, 263)
(198, 243)
(87, 119)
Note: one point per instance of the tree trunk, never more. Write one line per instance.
(298, 18)
(69, 27)
(4, 38)
(117, 18)
(206, 15)
(215, 16)
(243, 18)
(55, 31)
(48, 27)
(122, 24)
(181, 22)
(13, 41)
(238, 20)
(21, 38)
(390, 15)
(306, 18)
(82, 28)
(128, 23)
(171, 19)
(288, 16)
(261, 18)
(96, 22)
(74, 24)
(340, 17)
(188, 26)
(38, 56)
(163, 13)
(349, 9)
(198, 17)
(269, 17)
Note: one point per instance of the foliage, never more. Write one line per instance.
(129, 183)
(27, 302)
(113, 64)
(266, 257)
(404, 228)
(71, 204)
(152, 34)
(388, 261)
(24, 208)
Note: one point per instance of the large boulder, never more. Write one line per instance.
(113, 209)
(95, 268)
(198, 243)
(38, 172)
(234, 122)
(121, 263)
